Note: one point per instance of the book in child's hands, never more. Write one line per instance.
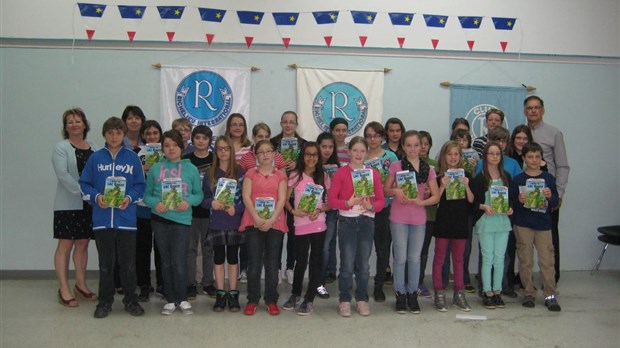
(153, 153)
(289, 148)
(499, 199)
(225, 191)
(330, 169)
(377, 164)
(363, 184)
(265, 206)
(455, 188)
(406, 181)
(310, 198)
(534, 197)
(114, 191)
(467, 155)
(172, 192)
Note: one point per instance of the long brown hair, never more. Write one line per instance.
(233, 168)
(500, 166)
(244, 137)
(447, 147)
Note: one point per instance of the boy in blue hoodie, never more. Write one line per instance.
(114, 217)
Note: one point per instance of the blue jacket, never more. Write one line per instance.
(101, 165)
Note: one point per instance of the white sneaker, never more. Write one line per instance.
(168, 309)
(243, 277)
(289, 276)
(186, 308)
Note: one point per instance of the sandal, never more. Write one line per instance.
(72, 302)
(88, 296)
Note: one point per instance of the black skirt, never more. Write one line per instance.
(74, 224)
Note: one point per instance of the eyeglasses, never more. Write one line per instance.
(311, 155)
(290, 123)
(264, 153)
(537, 107)
(222, 149)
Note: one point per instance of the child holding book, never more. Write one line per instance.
(330, 163)
(532, 226)
(226, 211)
(172, 217)
(492, 226)
(408, 220)
(263, 186)
(451, 225)
(356, 226)
(114, 224)
(309, 184)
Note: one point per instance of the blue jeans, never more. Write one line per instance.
(263, 250)
(407, 241)
(329, 246)
(173, 243)
(355, 237)
(383, 244)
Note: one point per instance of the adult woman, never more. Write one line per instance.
(237, 130)
(73, 225)
(133, 118)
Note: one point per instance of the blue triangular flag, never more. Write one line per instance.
(250, 17)
(470, 22)
(435, 21)
(363, 17)
(170, 12)
(131, 12)
(502, 23)
(91, 10)
(211, 14)
(325, 17)
(286, 18)
(401, 18)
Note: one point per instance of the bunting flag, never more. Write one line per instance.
(472, 102)
(363, 18)
(322, 95)
(249, 21)
(401, 22)
(503, 45)
(470, 22)
(502, 23)
(326, 20)
(91, 16)
(204, 96)
(286, 22)
(170, 16)
(132, 17)
(211, 19)
(435, 21)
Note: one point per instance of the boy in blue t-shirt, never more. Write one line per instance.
(532, 226)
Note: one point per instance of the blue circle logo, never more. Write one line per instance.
(204, 98)
(477, 119)
(343, 100)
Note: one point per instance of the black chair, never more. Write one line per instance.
(609, 235)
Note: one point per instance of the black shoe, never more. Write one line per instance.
(379, 295)
(191, 292)
(134, 309)
(401, 303)
(209, 291)
(120, 291)
(143, 296)
(233, 301)
(488, 302)
(389, 278)
(552, 304)
(499, 303)
(322, 293)
(528, 302)
(330, 278)
(412, 303)
(221, 298)
(510, 293)
(102, 310)
(469, 289)
(160, 291)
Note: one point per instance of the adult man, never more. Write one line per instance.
(554, 153)
(494, 118)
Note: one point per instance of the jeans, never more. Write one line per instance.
(493, 248)
(407, 243)
(457, 248)
(173, 243)
(303, 243)
(263, 250)
(355, 238)
(329, 247)
(198, 237)
(110, 243)
(428, 238)
(144, 246)
(383, 242)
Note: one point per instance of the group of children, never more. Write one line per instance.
(266, 204)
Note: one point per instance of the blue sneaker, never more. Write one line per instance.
(424, 292)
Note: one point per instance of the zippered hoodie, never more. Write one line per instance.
(101, 165)
(192, 191)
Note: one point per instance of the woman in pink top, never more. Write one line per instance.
(264, 227)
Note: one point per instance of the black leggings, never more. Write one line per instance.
(222, 252)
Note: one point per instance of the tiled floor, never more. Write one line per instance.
(30, 316)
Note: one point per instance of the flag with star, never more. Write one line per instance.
(211, 19)
(502, 23)
(326, 20)
(286, 23)
(250, 21)
(132, 17)
(170, 17)
(470, 22)
(435, 22)
(401, 23)
(363, 21)
(91, 17)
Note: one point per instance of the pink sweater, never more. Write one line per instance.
(342, 189)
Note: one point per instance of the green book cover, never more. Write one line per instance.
(406, 181)
(289, 148)
(534, 197)
(310, 198)
(363, 183)
(172, 192)
(225, 191)
(499, 199)
(265, 206)
(455, 189)
(114, 191)
(153, 153)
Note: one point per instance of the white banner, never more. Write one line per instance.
(204, 96)
(322, 95)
